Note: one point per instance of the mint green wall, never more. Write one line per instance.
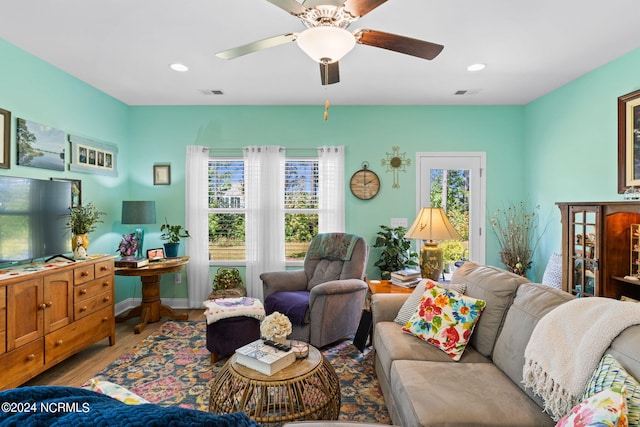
(560, 147)
(34, 90)
(160, 135)
(572, 144)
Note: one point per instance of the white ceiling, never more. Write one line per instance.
(124, 47)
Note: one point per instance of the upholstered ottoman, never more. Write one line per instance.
(232, 323)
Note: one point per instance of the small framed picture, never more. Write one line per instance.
(155, 254)
(161, 174)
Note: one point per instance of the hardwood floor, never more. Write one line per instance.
(76, 370)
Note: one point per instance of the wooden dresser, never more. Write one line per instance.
(52, 313)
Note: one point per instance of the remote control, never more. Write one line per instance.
(277, 346)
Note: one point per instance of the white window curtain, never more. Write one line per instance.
(264, 227)
(197, 205)
(331, 189)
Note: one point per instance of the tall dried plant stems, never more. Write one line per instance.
(515, 229)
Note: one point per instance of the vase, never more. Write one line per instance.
(80, 245)
(171, 250)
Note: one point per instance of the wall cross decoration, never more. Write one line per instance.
(396, 162)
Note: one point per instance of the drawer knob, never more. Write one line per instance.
(42, 306)
(104, 319)
(83, 308)
(59, 343)
(83, 291)
(49, 303)
(105, 284)
(84, 274)
(105, 299)
(31, 357)
(103, 268)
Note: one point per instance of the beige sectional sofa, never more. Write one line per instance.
(423, 386)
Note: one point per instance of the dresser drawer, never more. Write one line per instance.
(84, 308)
(3, 320)
(19, 364)
(88, 290)
(83, 274)
(104, 268)
(72, 338)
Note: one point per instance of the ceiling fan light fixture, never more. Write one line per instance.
(326, 44)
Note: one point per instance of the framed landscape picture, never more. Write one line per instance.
(161, 174)
(40, 146)
(90, 156)
(628, 141)
(5, 138)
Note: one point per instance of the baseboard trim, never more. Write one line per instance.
(176, 303)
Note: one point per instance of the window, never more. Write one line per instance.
(227, 208)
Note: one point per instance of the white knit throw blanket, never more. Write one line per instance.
(566, 346)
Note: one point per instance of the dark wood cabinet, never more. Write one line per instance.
(596, 248)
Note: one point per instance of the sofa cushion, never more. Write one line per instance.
(445, 318)
(607, 408)
(532, 301)
(610, 374)
(410, 305)
(497, 288)
(392, 344)
(461, 394)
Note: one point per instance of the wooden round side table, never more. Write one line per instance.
(308, 389)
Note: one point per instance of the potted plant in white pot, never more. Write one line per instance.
(172, 235)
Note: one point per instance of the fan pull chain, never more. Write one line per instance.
(326, 83)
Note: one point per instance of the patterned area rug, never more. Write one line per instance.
(172, 367)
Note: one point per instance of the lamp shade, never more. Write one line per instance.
(432, 224)
(138, 212)
(326, 44)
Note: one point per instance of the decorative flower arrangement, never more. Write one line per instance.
(275, 326)
(129, 245)
(83, 219)
(515, 229)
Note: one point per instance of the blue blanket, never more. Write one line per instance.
(75, 407)
(294, 305)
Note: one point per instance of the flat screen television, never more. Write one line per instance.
(33, 218)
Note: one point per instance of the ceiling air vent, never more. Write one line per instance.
(467, 92)
(211, 91)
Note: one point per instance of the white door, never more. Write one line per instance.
(456, 182)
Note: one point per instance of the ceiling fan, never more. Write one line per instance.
(326, 39)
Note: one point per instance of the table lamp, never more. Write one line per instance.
(432, 224)
(139, 212)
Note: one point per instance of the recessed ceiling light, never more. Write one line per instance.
(179, 67)
(476, 67)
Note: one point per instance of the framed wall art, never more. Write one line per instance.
(161, 174)
(628, 141)
(5, 139)
(90, 156)
(40, 146)
(76, 190)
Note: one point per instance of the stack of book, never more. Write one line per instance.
(264, 358)
(131, 262)
(407, 278)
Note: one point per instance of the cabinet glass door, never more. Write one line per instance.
(584, 278)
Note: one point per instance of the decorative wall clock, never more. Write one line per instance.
(365, 184)
(396, 162)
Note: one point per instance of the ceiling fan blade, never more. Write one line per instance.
(291, 6)
(256, 46)
(396, 43)
(313, 3)
(329, 73)
(360, 8)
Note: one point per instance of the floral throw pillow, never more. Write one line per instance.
(607, 408)
(445, 318)
(410, 305)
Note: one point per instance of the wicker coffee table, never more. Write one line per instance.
(306, 390)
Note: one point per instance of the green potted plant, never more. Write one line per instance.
(226, 278)
(397, 253)
(172, 234)
(82, 220)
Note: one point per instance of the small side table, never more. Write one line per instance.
(308, 389)
(151, 308)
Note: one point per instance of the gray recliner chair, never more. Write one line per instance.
(324, 300)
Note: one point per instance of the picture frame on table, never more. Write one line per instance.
(76, 190)
(5, 139)
(161, 174)
(155, 254)
(628, 141)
